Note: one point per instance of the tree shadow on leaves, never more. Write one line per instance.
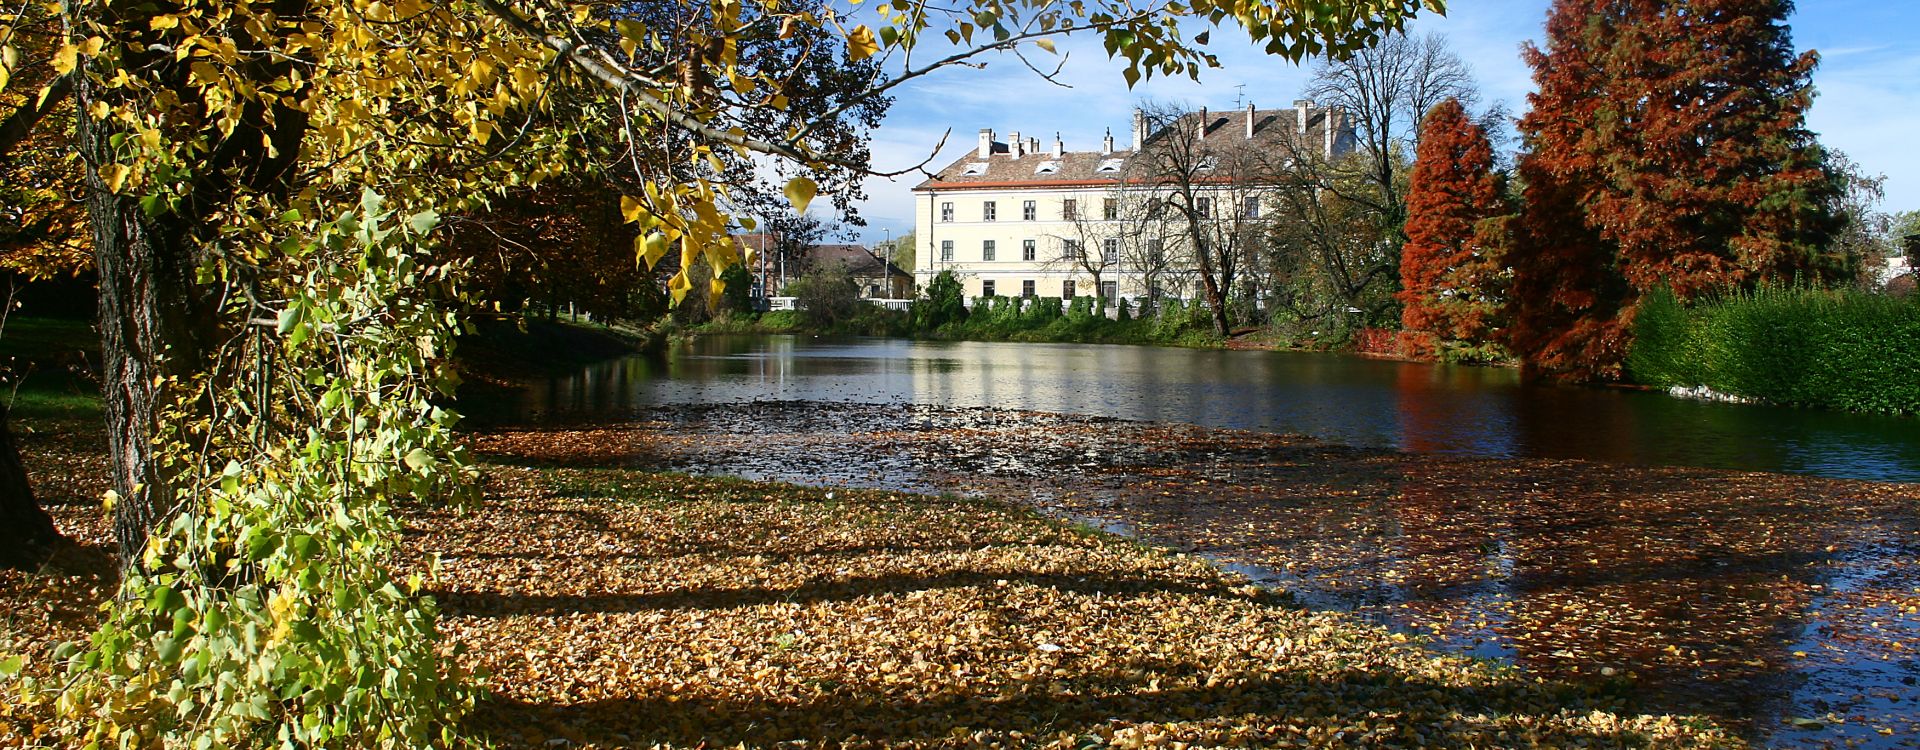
(1337, 707)
(497, 604)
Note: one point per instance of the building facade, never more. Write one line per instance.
(1013, 219)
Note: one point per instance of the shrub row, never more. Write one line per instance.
(1080, 320)
(1793, 346)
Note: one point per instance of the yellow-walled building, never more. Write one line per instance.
(1015, 219)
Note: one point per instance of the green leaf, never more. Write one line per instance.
(423, 222)
(370, 202)
(419, 458)
(10, 666)
(651, 248)
(800, 192)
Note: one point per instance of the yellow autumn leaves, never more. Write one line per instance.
(621, 608)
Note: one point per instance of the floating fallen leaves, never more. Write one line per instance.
(1692, 588)
(616, 607)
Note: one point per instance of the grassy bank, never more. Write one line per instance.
(1797, 347)
(54, 361)
(1035, 320)
(502, 350)
(57, 360)
(616, 607)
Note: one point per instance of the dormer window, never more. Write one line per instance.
(1047, 167)
(1108, 166)
(974, 169)
(1207, 163)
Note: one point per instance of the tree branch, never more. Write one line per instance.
(20, 124)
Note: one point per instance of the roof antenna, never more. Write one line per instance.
(1239, 95)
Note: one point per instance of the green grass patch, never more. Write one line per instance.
(52, 360)
(37, 403)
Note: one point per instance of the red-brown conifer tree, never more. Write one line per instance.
(1666, 145)
(1564, 302)
(1444, 269)
(1712, 179)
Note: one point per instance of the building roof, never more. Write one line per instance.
(1014, 164)
(755, 241)
(1007, 170)
(858, 260)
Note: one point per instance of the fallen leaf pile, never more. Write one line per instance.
(67, 461)
(1756, 598)
(616, 607)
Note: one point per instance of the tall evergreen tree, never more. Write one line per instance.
(1669, 144)
(1712, 179)
(1445, 269)
(1565, 298)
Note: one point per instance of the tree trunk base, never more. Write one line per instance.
(27, 535)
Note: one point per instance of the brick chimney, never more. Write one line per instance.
(1249, 121)
(1331, 127)
(1106, 146)
(1205, 120)
(1139, 130)
(1060, 146)
(986, 143)
(1019, 147)
(1302, 109)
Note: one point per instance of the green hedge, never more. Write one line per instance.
(1799, 347)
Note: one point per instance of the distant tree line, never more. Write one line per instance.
(1666, 148)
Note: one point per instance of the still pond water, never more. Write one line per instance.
(1344, 400)
(1614, 550)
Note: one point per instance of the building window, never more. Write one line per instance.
(1203, 207)
(1069, 209)
(1109, 250)
(1109, 290)
(946, 211)
(946, 251)
(1253, 207)
(1073, 250)
(1110, 209)
(986, 250)
(1066, 289)
(1154, 254)
(1026, 250)
(1029, 210)
(988, 211)
(1026, 288)
(986, 288)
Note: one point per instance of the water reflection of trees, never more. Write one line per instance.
(1695, 586)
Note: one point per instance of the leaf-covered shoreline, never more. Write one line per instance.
(619, 607)
(656, 609)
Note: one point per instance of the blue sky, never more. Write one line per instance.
(1868, 83)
